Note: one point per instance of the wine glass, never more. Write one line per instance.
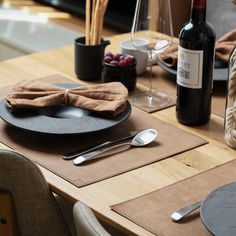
(151, 33)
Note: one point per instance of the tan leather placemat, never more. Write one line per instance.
(165, 82)
(153, 211)
(47, 150)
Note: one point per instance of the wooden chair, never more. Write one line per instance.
(28, 207)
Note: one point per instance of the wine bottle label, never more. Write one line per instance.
(189, 69)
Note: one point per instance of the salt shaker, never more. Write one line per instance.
(230, 112)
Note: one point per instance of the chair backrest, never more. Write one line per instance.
(222, 15)
(35, 208)
(86, 223)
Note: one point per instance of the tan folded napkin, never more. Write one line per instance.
(223, 48)
(225, 45)
(108, 98)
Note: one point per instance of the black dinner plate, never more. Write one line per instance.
(220, 70)
(218, 211)
(62, 120)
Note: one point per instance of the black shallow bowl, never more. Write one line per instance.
(218, 210)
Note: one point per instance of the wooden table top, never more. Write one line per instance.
(101, 195)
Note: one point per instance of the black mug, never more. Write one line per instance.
(88, 59)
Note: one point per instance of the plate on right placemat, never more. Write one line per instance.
(220, 70)
(218, 211)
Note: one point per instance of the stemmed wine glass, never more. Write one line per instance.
(151, 33)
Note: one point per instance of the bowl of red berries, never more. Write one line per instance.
(120, 68)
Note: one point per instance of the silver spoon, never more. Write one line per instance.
(143, 138)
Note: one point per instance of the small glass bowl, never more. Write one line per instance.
(124, 74)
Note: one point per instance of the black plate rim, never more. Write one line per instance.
(111, 122)
(204, 202)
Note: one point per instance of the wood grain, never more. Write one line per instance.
(135, 183)
(8, 226)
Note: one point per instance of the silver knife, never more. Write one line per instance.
(123, 136)
(181, 213)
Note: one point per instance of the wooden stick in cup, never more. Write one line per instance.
(92, 22)
(87, 24)
(96, 20)
(96, 23)
(104, 7)
(99, 21)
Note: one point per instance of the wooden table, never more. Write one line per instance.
(101, 195)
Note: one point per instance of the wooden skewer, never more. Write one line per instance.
(87, 26)
(96, 22)
(99, 19)
(99, 22)
(92, 24)
(104, 7)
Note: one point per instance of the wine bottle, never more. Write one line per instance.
(195, 68)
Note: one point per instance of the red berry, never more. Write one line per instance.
(115, 63)
(128, 60)
(109, 54)
(108, 59)
(116, 57)
(122, 63)
(122, 57)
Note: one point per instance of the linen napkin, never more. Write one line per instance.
(107, 98)
(223, 48)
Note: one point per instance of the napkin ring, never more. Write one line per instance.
(66, 96)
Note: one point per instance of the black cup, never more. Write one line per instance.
(88, 59)
(125, 74)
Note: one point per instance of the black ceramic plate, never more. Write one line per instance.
(218, 211)
(62, 120)
(220, 71)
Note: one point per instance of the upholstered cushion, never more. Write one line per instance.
(85, 221)
(36, 211)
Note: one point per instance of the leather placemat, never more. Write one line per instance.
(153, 211)
(165, 82)
(47, 150)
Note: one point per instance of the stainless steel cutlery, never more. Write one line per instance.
(143, 137)
(181, 213)
(121, 137)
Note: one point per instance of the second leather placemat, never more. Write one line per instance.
(153, 211)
